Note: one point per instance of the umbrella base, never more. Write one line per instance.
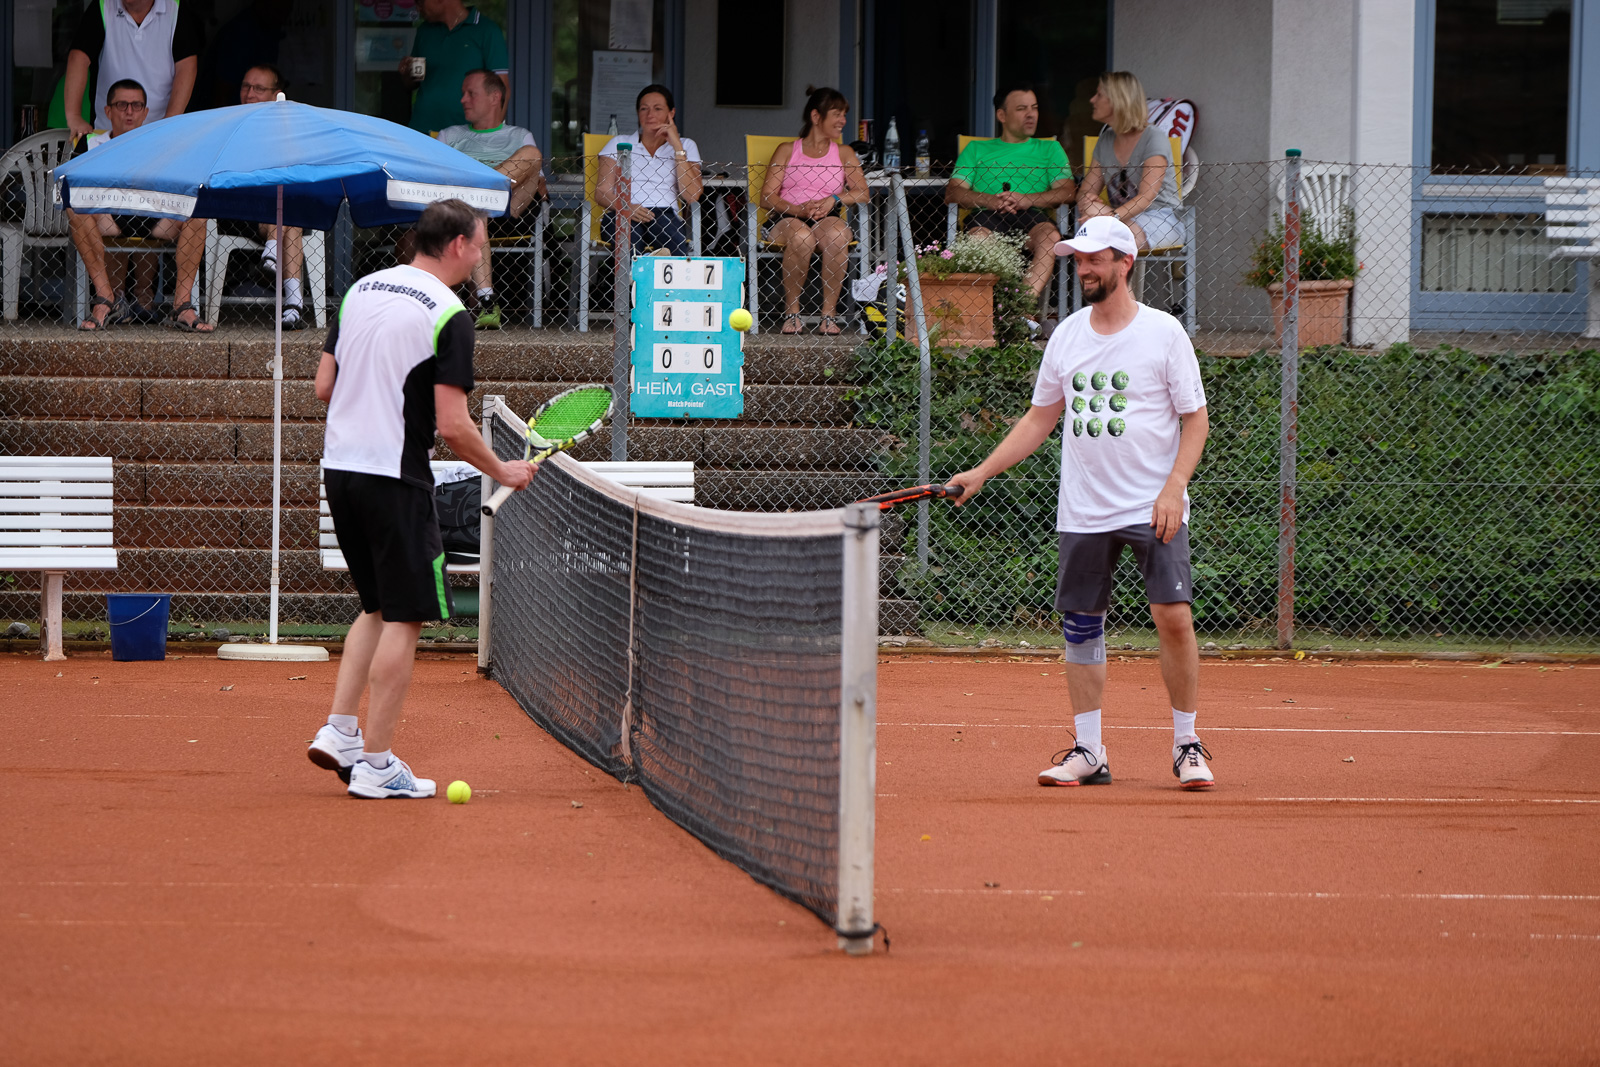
(285, 653)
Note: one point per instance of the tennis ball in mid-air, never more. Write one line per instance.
(459, 792)
(739, 319)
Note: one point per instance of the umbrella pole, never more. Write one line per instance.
(277, 421)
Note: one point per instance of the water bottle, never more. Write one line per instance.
(924, 164)
(891, 148)
(611, 130)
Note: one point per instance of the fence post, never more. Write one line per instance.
(486, 486)
(1289, 397)
(925, 379)
(621, 301)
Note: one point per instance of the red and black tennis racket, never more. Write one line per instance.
(885, 501)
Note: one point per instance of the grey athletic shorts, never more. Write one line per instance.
(1083, 575)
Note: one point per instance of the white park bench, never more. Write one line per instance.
(55, 516)
(1572, 217)
(665, 480)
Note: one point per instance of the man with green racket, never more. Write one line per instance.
(397, 363)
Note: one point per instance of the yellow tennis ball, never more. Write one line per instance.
(459, 792)
(740, 319)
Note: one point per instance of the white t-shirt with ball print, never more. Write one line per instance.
(1124, 393)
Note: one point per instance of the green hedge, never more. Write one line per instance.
(1440, 491)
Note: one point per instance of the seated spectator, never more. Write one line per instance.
(1015, 181)
(125, 104)
(808, 180)
(509, 150)
(666, 168)
(1132, 164)
(262, 83)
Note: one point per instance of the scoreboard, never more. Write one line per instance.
(687, 361)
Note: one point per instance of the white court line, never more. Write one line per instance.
(1268, 895)
(1418, 800)
(1250, 729)
(1564, 937)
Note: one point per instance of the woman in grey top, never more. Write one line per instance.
(1132, 164)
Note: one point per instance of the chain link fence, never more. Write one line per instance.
(1445, 481)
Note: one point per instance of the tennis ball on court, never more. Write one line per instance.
(459, 792)
(739, 319)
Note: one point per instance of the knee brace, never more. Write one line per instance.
(1086, 636)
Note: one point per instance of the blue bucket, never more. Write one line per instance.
(138, 625)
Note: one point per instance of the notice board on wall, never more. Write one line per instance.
(751, 50)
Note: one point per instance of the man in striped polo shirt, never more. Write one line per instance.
(397, 362)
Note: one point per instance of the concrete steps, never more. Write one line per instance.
(189, 422)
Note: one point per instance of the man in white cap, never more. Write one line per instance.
(1131, 377)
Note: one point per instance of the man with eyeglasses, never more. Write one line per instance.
(153, 42)
(262, 83)
(126, 105)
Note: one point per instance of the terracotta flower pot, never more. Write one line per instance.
(959, 309)
(1324, 308)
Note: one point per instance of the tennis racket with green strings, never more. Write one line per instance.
(566, 419)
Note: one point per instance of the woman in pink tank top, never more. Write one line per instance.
(808, 182)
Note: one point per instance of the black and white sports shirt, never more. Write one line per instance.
(399, 332)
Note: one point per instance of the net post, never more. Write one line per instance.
(858, 725)
(491, 405)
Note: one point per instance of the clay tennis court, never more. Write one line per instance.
(1399, 865)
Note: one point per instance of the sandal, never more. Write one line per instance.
(92, 324)
(793, 324)
(829, 326)
(199, 325)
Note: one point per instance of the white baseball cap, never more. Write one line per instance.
(1101, 231)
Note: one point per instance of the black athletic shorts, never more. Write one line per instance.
(134, 225)
(1087, 560)
(1022, 222)
(389, 534)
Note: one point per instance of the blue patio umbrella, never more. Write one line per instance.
(277, 162)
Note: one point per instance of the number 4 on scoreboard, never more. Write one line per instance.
(683, 358)
(688, 273)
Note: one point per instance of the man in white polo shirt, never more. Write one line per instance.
(153, 42)
(1139, 424)
(665, 169)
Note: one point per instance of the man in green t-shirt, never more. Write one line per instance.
(454, 39)
(1015, 181)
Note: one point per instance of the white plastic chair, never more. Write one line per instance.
(1324, 192)
(43, 224)
(220, 246)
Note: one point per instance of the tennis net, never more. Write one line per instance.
(724, 661)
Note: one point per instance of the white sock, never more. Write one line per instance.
(1182, 725)
(376, 760)
(1087, 727)
(347, 724)
(270, 251)
(291, 291)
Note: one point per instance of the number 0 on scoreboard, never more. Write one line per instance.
(686, 358)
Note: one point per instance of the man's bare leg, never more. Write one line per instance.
(1042, 243)
(378, 656)
(1180, 654)
(89, 239)
(191, 247)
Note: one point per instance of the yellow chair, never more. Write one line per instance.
(758, 149)
(956, 217)
(1172, 255)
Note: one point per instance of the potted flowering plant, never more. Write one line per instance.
(958, 287)
(1328, 269)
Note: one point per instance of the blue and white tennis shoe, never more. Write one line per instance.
(395, 780)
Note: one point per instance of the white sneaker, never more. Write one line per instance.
(395, 780)
(1189, 764)
(1077, 766)
(334, 750)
